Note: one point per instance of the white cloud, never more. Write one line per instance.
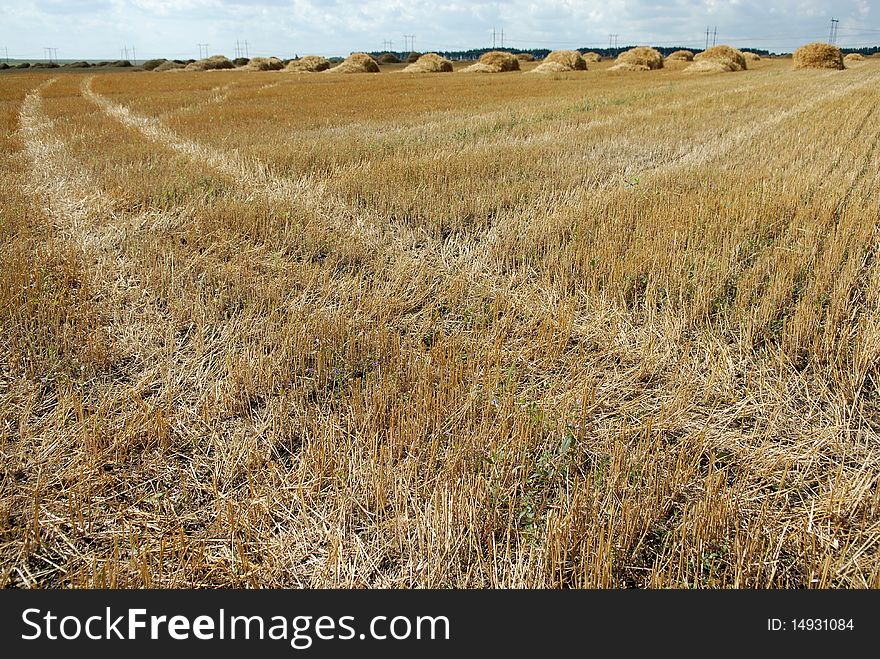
(99, 28)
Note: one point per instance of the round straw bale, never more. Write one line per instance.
(356, 63)
(730, 59)
(213, 63)
(561, 61)
(152, 64)
(495, 61)
(169, 66)
(308, 64)
(681, 56)
(642, 58)
(265, 64)
(430, 63)
(818, 55)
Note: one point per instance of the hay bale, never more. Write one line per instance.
(213, 63)
(3, 66)
(308, 64)
(153, 64)
(590, 56)
(561, 61)
(728, 57)
(751, 57)
(495, 61)
(710, 66)
(525, 57)
(264, 64)
(169, 66)
(356, 63)
(45, 65)
(412, 58)
(571, 59)
(642, 58)
(854, 57)
(818, 55)
(23, 65)
(430, 63)
(681, 56)
(241, 61)
(77, 65)
(388, 58)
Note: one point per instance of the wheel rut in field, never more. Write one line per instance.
(70, 196)
(255, 180)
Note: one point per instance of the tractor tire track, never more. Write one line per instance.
(256, 180)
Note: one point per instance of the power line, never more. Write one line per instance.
(832, 37)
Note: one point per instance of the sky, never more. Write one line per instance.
(101, 29)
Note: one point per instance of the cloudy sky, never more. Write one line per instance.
(173, 28)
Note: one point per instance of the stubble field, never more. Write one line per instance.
(587, 330)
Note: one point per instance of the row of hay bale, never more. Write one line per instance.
(115, 64)
(717, 59)
(726, 59)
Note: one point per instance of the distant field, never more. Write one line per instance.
(587, 330)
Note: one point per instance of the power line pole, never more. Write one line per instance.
(612, 41)
(493, 38)
(832, 37)
(707, 39)
(203, 46)
(715, 35)
(412, 42)
(134, 57)
(502, 37)
(246, 53)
